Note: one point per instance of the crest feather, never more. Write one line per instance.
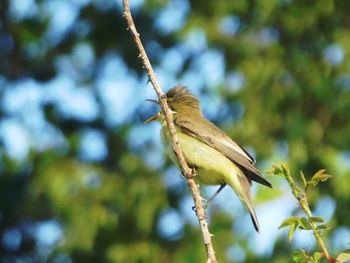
(181, 95)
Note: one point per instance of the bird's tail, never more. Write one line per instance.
(244, 193)
(253, 216)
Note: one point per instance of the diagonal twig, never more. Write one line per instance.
(186, 171)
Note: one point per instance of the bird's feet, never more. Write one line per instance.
(204, 205)
(192, 173)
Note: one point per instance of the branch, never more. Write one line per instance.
(186, 171)
(301, 197)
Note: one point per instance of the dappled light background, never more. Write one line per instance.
(82, 179)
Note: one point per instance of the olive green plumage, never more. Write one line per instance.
(215, 156)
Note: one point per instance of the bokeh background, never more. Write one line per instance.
(82, 179)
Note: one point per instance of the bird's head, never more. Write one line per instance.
(180, 101)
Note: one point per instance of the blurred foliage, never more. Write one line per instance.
(285, 95)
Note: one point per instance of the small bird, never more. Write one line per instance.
(217, 159)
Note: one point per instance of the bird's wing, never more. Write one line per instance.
(208, 133)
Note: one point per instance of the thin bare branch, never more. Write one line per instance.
(186, 171)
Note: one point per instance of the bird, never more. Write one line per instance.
(215, 157)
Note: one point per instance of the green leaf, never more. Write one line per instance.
(319, 176)
(316, 219)
(303, 178)
(293, 226)
(299, 256)
(319, 172)
(323, 227)
(285, 168)
(282, 170)
(317, 256)
(344, 256)
(289, 221)
(275, 170)
(271, 170)
(304, 224)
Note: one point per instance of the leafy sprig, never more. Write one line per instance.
(308, 222)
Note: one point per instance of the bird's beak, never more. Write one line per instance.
(153, 118)
(154, 101)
